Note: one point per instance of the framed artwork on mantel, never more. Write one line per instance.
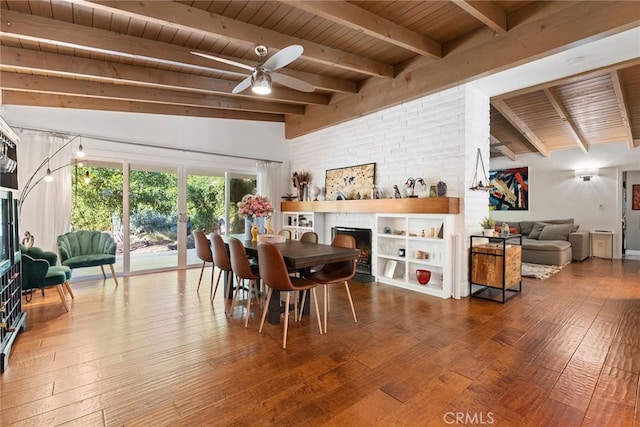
(350, 183)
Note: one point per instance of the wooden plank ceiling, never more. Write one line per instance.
(360, 57)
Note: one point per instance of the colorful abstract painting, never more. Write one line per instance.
(510, 190)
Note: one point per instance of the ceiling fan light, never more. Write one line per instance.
(261, 82)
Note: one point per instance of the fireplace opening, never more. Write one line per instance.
(363, 242)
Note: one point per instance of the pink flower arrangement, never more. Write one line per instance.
(254, 206)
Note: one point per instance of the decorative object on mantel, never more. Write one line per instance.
(375, 192)
(289, 197)
(301, 182)
(254, 208)
(480, 184)
(441, 189)
(396, 192)
(488, 225)
(410, 185)
(350, 181)
(315, 192)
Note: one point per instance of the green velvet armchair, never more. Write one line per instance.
(85, 248)
(39, 271)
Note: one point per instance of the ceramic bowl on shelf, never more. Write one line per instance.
(423, 276)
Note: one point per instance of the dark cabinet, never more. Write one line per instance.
(12, 318)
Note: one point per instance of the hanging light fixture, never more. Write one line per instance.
(87, 175)
(48, 177)
(80, 152)
(260, 82)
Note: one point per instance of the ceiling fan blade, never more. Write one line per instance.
(283, 57)
(292, 82)
(224, 60)
(242, 85)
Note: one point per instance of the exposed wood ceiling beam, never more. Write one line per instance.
(622, 104)
(358, 19)
(85, 103)
(505, 151)
(486, 12)
(62, 86)
(549, 33)
(38, 29)
(558, 105)
(520, 125)
(175, 15)
(24, 60)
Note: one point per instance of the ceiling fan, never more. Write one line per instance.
(263, 73)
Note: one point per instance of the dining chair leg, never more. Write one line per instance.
(213, 272)
(326, 303)
(235, 295)
(200, 279)
(230, 289)
(246, 316)
(67, 286)
(266, 307)
(315, 302)
(212, 293)
(62, 297)
(353, 310)
(304, 300)
(103, 273)
(286, 319)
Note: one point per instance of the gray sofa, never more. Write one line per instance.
(554, 242)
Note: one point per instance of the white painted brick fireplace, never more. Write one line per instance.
(435, 137)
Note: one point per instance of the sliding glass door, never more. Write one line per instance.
(153, 217)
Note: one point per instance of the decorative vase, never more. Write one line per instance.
(248, 225)
(254, 231)
(423, 276)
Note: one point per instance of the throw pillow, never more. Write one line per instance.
(537, 229)
(556, 232)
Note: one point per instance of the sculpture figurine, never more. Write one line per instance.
(410, 186)
(396, 192)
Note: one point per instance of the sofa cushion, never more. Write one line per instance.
(545, 245)
(525, 227)
(555, 232)
(537, 229)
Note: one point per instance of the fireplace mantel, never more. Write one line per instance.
(439, 205)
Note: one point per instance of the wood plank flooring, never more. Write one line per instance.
(152, 352)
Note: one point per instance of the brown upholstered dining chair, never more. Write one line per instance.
(286, 233)
(309, 236)
(275, 275)
(243, 271)
(203, 250)
(339, 272)
(222, 261)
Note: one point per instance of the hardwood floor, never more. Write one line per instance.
(152, 352)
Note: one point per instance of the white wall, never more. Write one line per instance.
(555, 192)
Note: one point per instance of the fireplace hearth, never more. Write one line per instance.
(363, 242)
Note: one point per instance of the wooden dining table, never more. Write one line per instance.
(297, 255)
